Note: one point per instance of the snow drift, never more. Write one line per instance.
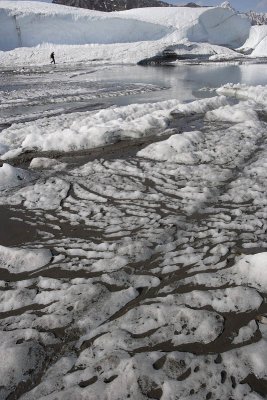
(87, 130)
(28, 24)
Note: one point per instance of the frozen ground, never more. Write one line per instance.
(135, 270)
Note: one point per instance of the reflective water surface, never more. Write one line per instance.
(39, 91)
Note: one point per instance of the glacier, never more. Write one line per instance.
(29, 30)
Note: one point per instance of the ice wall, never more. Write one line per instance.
(9, 31)
(256, 44)
(29, 30)
(224, 27)
(27, 24)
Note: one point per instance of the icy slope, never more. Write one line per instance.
(256, 44)
(27, 24)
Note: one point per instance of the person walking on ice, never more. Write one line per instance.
(52, 56)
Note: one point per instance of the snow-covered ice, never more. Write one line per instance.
(146, 268)
(148, 272)
(145, 274)
(30, 30)
(93, 129)
(46, 163)
(11, 176)
(21, 260)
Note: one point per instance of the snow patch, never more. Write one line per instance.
(47, 163)
(76, 131)
(21, 260)
(178, 148)
(244, 92)
(11, 176)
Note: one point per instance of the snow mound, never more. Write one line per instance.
(178, 148)
(11, 176)
(22, 361)
(77, 131)
(249, 270)
(47, 163)
(90, 129)
(252, 268)
(235, 114)
(20, 260)
(28, 24)
(258, 94)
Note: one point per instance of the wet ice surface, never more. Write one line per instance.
(146, 272)
(35, 92)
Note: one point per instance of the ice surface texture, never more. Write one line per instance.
(148, 272)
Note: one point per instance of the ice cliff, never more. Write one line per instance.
(28, 24)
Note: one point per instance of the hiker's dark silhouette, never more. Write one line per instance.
(52, 56)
